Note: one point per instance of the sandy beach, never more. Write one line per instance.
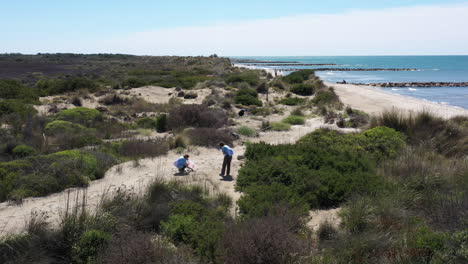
(374, 101)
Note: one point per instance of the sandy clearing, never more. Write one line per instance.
(128, 176)
(375, 101)
(161, 95)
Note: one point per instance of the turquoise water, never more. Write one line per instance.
(430, 69)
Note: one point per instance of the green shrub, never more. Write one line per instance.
(246, 131)
(247, 91)
(303, 89)
(12, 89)
(292, 101)
(325, 97)
(81, 115)
(198, 116)
(147, 122)
(58, 127)
(60, 86)
(260, 111)
(262, 88)
(249, 77)
(23, 151)
(298, 76)
(261, 200)
(280, 126)
(161, 123)
(13, 106)
(67, 135)
(45, 174)
(210, 137)
(89, 245)
(383, 142)
(247, 100)
(294, 120)
(324, 168)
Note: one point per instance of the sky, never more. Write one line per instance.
(236, 28)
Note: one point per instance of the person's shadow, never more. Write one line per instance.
(181, 173)
(227, 178)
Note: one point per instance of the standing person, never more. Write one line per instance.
(182, 163)
(228, 153)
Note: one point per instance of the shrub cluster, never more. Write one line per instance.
(247, 96)
(197, 116)
(12, 89)
(292, 101)
(210, 137)
(323, 169)
(446, 136)
(298, 76)
(249, 77)
(80, 115)
(60, 86)
(45, 174)
(303, 89)
(294, 120)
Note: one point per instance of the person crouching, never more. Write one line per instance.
(182, 163)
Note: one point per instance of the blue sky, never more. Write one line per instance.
(51, 26)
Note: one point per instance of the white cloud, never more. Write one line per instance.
(417, 30)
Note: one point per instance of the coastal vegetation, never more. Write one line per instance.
(399, 181)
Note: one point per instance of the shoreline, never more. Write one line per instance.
(375, 101)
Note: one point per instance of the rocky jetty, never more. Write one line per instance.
(415, 84)
(349, 69)
(288, 64)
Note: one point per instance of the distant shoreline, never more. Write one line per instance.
(375, 101)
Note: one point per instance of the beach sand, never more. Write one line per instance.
(374, 101)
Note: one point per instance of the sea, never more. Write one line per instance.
(428, 69)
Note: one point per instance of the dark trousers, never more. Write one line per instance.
(226, 165)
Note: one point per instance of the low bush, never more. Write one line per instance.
(298, 76)
(261, 111)
(262, 88)
(246, 131)
(273, 239)
(325, 168)
(58, 127)
(143, 148)
(294, 120)
(89, 245)
(292, 101)
(326, 97)
(22, 151)
(197, 116)
(60, 86)
(12, 89)
(63, 135)
(80, 115)
(279, 126)
(247, 91)
(147, 122)
(45, 174)
(249, 77)
(16, 107)
(303, 89)
(210, 137)
(424, 128)
(161, 123)
(247, 100)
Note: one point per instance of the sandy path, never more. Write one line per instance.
(136, 178)
(374, 101)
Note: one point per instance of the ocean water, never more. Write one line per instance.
(429, 69)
